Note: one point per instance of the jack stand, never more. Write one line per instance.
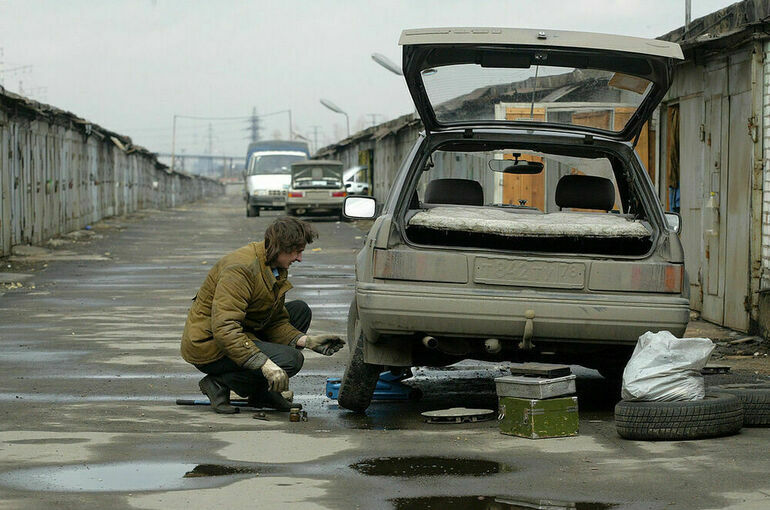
(389, 387)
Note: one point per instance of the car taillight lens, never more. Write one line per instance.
(631, 277)
(338, 193)
(296, 194)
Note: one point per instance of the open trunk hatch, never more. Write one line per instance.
(607, 84)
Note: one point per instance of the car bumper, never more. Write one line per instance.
(481, 313)
(267, 201)
(314, 203)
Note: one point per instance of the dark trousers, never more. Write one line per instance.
(247, 383)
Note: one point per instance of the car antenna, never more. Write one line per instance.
(534, 90)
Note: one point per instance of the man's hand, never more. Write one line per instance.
(325, 344)
(276, 376)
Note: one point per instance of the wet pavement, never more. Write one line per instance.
(90, 371)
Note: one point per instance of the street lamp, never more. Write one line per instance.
(387, 63)
(336, 109)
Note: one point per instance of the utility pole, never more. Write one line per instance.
(254, 127)
(210, 150)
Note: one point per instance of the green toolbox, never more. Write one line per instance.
(539, 418)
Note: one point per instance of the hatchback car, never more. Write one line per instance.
(316, 188)
(523, 224)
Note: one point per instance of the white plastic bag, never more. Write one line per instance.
(665, 368)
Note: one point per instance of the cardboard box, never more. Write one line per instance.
(539, 418)
(521, 386)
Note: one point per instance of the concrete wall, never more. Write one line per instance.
(59, 173)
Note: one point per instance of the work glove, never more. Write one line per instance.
(325, 344)
(277, 379)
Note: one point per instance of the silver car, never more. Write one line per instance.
(523, 225)
(316, 188)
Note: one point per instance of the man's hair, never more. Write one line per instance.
(287, 235)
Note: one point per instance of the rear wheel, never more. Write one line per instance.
(360, 378)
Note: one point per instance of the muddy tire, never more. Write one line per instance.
(360, 378)
(755, 398)
(719, 414)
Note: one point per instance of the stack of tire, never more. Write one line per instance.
(723, 411)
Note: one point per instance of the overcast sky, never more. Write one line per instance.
(131, 65)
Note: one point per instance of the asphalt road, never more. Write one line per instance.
(90, 370)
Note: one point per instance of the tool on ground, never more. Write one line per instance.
(297, 415)
(458, 415)
(242, 404)
(260, 415)
(389, 387)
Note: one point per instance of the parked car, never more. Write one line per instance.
(316, 188)
(267, 174)
(523, 224)
(356, 182)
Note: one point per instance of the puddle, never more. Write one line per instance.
(125, 477)
(490, 503)
(406, 467)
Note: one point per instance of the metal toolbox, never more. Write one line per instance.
(520, 386)
(539, 419)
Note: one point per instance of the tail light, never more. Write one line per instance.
(296, 194)
(631, 277)
(338, 193)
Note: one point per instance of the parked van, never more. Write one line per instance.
(316, 188)
(268, 175)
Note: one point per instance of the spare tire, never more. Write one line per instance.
(755, 398)
(718, 414)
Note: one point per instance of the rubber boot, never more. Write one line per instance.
(219, 395)
(271, 400)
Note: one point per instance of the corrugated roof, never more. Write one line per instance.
(729, 26)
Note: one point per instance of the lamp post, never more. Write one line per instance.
(387, 63)
(336, 109)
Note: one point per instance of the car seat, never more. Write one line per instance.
(454, 191)
(585, 192)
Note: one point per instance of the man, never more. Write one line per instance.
(239, 331)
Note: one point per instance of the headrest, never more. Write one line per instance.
(585, 192)
(454, 191)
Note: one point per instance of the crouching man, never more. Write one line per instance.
(239, 331)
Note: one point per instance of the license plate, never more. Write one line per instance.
(529, 273)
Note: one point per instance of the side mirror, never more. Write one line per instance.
(359, 207)
(674, 221)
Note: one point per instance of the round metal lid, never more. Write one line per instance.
(458, 415)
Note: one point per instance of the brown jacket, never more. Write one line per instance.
(239, 301)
